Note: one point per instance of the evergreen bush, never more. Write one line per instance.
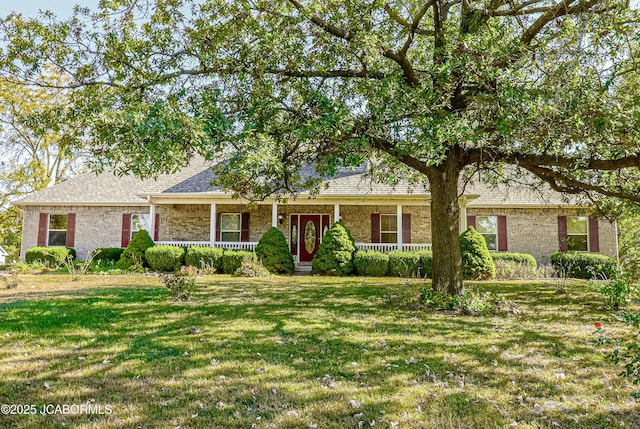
(477, 263)
(134, 253)
(165, 258)
(335, 255)
(371, 263)
(584, 265)
(53, 256)
(204, 257)
(232, 260)
(404, 264)
(521, 258)
(112, 254)
(274, 252)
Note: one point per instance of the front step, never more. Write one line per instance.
(303, 268)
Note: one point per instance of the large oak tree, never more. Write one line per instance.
(430, 90)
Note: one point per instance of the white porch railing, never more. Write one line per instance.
(246, 245)
(386, 247)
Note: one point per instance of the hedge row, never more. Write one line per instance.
(395, 263)
(521, 258)
(53, 256)
(171, 258)
(584, 265)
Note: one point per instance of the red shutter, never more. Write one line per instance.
(594, 238)
(471, 221)
(71, 229)
(244, 231)
(218, 216)
(562, 233)
(375, 227)
(156, 228)
(126, 229)
(406, 227)
(502, 233)
(43, 227)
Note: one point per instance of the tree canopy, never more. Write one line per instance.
(434, 91)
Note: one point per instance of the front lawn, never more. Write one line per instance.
(304, 352)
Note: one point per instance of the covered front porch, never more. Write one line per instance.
(376, 224)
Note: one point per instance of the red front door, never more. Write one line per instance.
(309, 236)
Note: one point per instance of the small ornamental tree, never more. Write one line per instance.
(274, 252)
(477, 263)
(134, 252)
(335, 255)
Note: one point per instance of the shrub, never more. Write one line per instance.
(204, 257)
(274, 252)
(521, 258)
(134, 253)
(232, 260)
(404, 264)
(335, 255)
(584, 265)
(252, 269)
(112, 254)
(426, 264)
(470, 302)
(508, 269)
(53, 256)
(371, 263)
(164, 258)
(10, 280)
(182, 283)
(71, 253)
(476, 259)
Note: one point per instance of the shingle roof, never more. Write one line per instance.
(109, 189)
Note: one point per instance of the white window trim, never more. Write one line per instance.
(132, 231)
(395, 225)
(579, 235)
(49, 227)
(496, 233)
(239, 231)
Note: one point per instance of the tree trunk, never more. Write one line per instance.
(445, 218)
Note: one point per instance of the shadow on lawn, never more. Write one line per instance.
(262, 351)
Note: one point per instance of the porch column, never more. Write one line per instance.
(399, 225)
(463, 215)
(336, 213)
(152, 221)
(212, 226)
(274, 214)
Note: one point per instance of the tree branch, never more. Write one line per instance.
(560, 9)
(389, 148)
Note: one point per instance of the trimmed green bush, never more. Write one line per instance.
(204, 257)
(274, 252)
(426, 264)
(165, 258)
(477, 263)
(54, 256)
(404, 264)
(112, 254)
(134, 253)
(584, 265)
(232, 260)
(522, 258)
(371, 263)
(335, 255)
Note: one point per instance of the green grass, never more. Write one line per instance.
(297, 352)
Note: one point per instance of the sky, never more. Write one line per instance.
(62, 8)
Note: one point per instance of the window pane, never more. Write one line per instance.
(230, 236)
(57, 238)
(577, 243)
(492, 242)
(389, 237)
(576, 225)
(487, 224)
(58, 221)
(139, 221)
(230, 222)
(388, 223)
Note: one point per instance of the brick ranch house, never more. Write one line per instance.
(183, 209)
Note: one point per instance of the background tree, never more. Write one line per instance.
(39, 147)
(437, 91)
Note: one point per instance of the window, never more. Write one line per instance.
(139, 222)
(230, 225)
(488, 227)
(388, 228)
(57, 230)
(577, 237)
